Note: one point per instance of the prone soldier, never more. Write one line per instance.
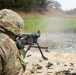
(11, 24)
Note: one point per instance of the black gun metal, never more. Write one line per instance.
(28, 39)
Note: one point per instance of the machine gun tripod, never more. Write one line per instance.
(28, 39)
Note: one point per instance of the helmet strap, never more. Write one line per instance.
(9, 33)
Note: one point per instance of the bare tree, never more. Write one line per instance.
(57, 5)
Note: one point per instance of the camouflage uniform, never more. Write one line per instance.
(10, 60)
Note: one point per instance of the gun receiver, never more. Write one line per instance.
(28, 39)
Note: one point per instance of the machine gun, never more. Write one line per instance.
(28, 39)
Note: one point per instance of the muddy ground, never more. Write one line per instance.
(61, 55)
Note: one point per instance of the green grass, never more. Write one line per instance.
(59, 24)
(50, 24)
(31, 24)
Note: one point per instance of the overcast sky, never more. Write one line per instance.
(67, 4)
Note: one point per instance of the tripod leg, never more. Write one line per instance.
(41, 52)
(27, 49)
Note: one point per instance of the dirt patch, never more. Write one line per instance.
(29, 15)
(63, 42)
(60, 61)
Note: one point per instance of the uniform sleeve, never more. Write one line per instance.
(10, 63)
(7, 62)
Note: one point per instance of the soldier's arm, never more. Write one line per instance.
(5, 59)
(10, 61)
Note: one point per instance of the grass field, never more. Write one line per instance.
(58, 24)
(49, 24)
(31, 24)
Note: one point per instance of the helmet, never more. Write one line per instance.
(11, 21)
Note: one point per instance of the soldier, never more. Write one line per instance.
(11, 25)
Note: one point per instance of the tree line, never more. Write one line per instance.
(30, 5)
(34, 5)
(71, 11)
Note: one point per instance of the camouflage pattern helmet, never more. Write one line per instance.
(11, 21)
